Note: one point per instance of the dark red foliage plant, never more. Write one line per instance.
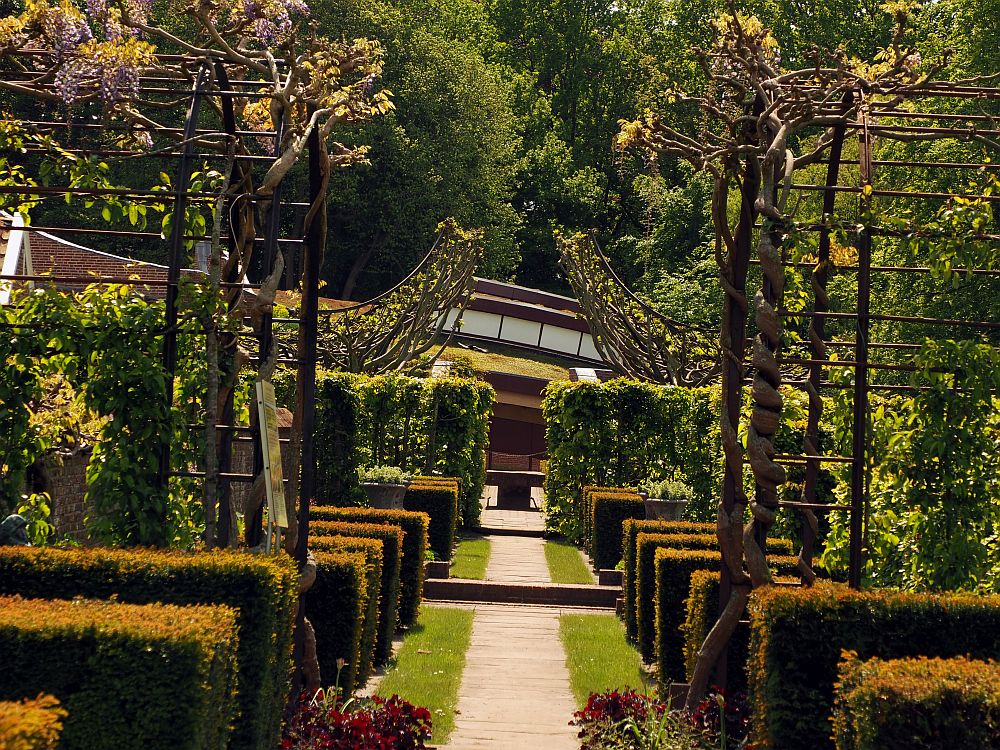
(601, 719)
(719, 706)
(326, 721)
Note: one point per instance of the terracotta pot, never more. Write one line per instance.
(664, 510)
(385, 496)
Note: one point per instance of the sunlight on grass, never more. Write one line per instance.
(598, 656)
(471, 558)
(566, 564)
(428, 670)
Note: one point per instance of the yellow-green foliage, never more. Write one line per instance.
(414, 550)
(586, 508)
(372, 551)
(933, 704)
(391, 538)
(797, 636)
(134, 677)
(438, 498)
(31, 724)
(336, 606)
(261, 588)
(609, 510)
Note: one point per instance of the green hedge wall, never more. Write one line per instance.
(439, 500)
(610, 511)
(31, 724)
(586, 508)
(700, 613)
(262, 589)
(423, 425)
(372, 550)
(630, 530)
(392, 545)
(674, 568)
(933, 704)
(131, 677)
(622, 432)
(336, 606)
(414, 550)
(797, 636)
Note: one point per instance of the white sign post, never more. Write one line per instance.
(274, 484)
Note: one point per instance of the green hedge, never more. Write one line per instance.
(336, 606)
(262, 589)
(700, 613)
(674, 568)
(439, 500)
(423, 425)
(414, 550)
(31, 724)
(622, 432)
(372, 550)
(932, 704)
(797, 636)
(630, 530)
(131, 677)
(610, 511)
(391, 537)
(586, 508)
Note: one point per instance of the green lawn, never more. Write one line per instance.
(598, 656)
(428, 670)
(566, 564)
(471, 558)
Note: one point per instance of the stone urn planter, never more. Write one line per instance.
(659, 509)
(385, 496)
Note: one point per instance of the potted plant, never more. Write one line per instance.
(665, 499)
(384, 485)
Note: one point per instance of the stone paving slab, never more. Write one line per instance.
(511, 521)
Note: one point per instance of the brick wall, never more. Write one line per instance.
(67, 486)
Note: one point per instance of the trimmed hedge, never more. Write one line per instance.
(586, 508)
(392, 540)
(261, 588)
(609, 510)
(674, 568)
(439, 500)
(414, 550)
(933, 704)
(131, 676)
(372, 549)
(797, 636)
(630, 530)
(31, 724)
(336, 606)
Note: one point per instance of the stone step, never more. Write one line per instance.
(566, 595)
(513, 531)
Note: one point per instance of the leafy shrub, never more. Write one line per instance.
(609, 513)
(668, 489)
(392, 541)
(372, 551)
(933, 704)
(383, 475)
(327, 722)
(797, 635)
(630, 530)
(336, 606)
(262, 590)
(135, 677)
(31, 724)
(439, 500)
(414, 526)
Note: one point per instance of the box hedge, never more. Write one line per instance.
(261, 588)
(645, 575)
(797, 636)
(392, 541)
(372, 550)
(609, 510)
(130, 676)
(31, 724)
(439, 500)
(630, 530)
(336, 606)
(674, 568)
(933, 704)
(586, 508)
(414, 550)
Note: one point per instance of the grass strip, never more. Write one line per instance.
(566, 564)
(428, 670)
(471, 558)
(598, 656)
